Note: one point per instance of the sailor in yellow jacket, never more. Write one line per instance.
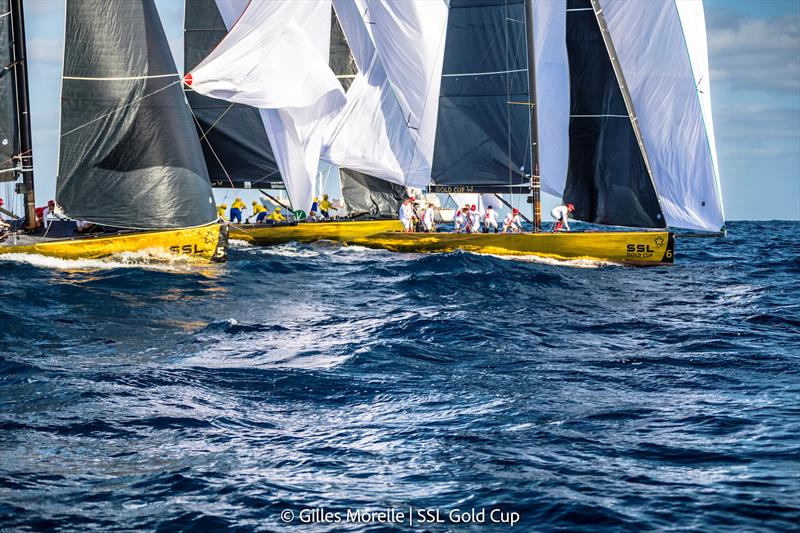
(276, 215)
(221, 211)
(259, 211)
(236, 210)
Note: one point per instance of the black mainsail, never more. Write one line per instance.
(483, 134)
(9, 129)
(607, 179)
(234, 141)
(129, 155)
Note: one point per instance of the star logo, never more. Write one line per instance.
(659, 241)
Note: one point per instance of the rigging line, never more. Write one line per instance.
(213, 152)
(119, 78)
(211, 127)
(5, 14)
(101, 117)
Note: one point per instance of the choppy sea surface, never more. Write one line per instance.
(297, 383)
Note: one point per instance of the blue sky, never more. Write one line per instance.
(754, 49)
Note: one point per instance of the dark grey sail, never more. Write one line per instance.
(232, 135)
(483, 131)
(341, 59)
(607, 179)
(9, 129)
(368, 197)
(129, 153)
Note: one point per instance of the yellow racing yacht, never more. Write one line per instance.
(131, 176)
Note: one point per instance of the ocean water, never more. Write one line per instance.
(299, 383)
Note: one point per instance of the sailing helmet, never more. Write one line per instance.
(515, 211)
(571, 207)
(255, 202)
(51, 203)
(277, 209)
(223, 206)
(473, 208)
(1, 202)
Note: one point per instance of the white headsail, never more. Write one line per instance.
(275, 57)
(651, 46)
(388, 126)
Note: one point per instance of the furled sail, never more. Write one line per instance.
(234, 141)
(483, 136)
(276, 58)
(398, 49)
(129, 154)
(608, 180)
(367, 196)
(9, 129)
(674, 117)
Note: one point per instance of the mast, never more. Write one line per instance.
(536, 184)
(24, 118)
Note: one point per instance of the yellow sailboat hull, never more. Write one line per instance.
(205, 243)
(632, 248)
(346, 232)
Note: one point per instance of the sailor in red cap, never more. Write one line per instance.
(560, 214)
(512, 222)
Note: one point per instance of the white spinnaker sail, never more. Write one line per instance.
(275, 58)
(649, 42)
(552, 93)
(388, 126)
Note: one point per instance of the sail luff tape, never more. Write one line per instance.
(122, 78)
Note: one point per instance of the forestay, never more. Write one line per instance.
(129, 154)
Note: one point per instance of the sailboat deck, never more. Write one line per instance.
(58, 230)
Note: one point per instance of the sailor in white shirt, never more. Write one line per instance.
(405, 214)
(475, 220)
(490, 220)
(560, 214)
(460, 221)
(427, 218)
(512, 222)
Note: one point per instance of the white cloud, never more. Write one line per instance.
(755, 53)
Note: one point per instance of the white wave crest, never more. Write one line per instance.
(146, 259)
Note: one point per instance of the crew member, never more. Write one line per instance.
(512, 222)
(560, 214)
(4, 226)
(221, 208)
(259, 211)
(276, 215)
(406, 214)
(490, 220)
(474, 219)
(427, 218)
(325, 207)
(236, 210)
(42, 212)
(460, 221)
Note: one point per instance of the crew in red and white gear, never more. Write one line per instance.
(474, 220)
(560, 214)
(490, 220)
(460, 221)
(42, 212)
(512, 222)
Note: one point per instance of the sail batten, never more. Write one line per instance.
(129, 156)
